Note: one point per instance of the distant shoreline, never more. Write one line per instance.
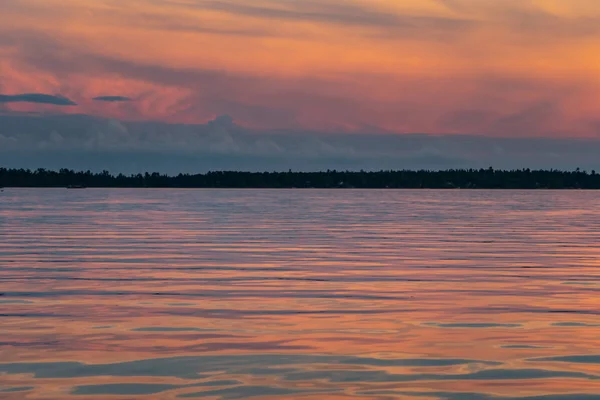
(403, 179)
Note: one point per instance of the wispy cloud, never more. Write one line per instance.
(349, 14)
(533, 20)
(39, 98)
(112, 98)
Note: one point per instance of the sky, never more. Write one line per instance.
(299, 83)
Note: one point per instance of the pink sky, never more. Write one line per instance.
(502, 68)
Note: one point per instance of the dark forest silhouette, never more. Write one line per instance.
(460, 178)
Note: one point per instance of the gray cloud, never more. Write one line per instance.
(543, 115)
(186, 23)
(307, 11)
(343, 13)
(39, 98)
(44, 53)
(368, 18)
(519, 17)
(85, 142)
(112, 98)
(526, 17)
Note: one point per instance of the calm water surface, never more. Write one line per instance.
(299, 294)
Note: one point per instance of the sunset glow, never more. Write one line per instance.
(510, 68)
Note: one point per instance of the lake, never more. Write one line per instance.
(299, 294)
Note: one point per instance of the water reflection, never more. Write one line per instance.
(228, 294)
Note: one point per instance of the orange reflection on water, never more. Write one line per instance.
(298, 294)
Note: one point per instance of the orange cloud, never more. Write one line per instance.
(451, 66)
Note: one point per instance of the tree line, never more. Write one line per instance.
(489, 178)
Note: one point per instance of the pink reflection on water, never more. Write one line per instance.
(136, 284)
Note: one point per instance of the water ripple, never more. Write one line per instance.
(237, 294)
